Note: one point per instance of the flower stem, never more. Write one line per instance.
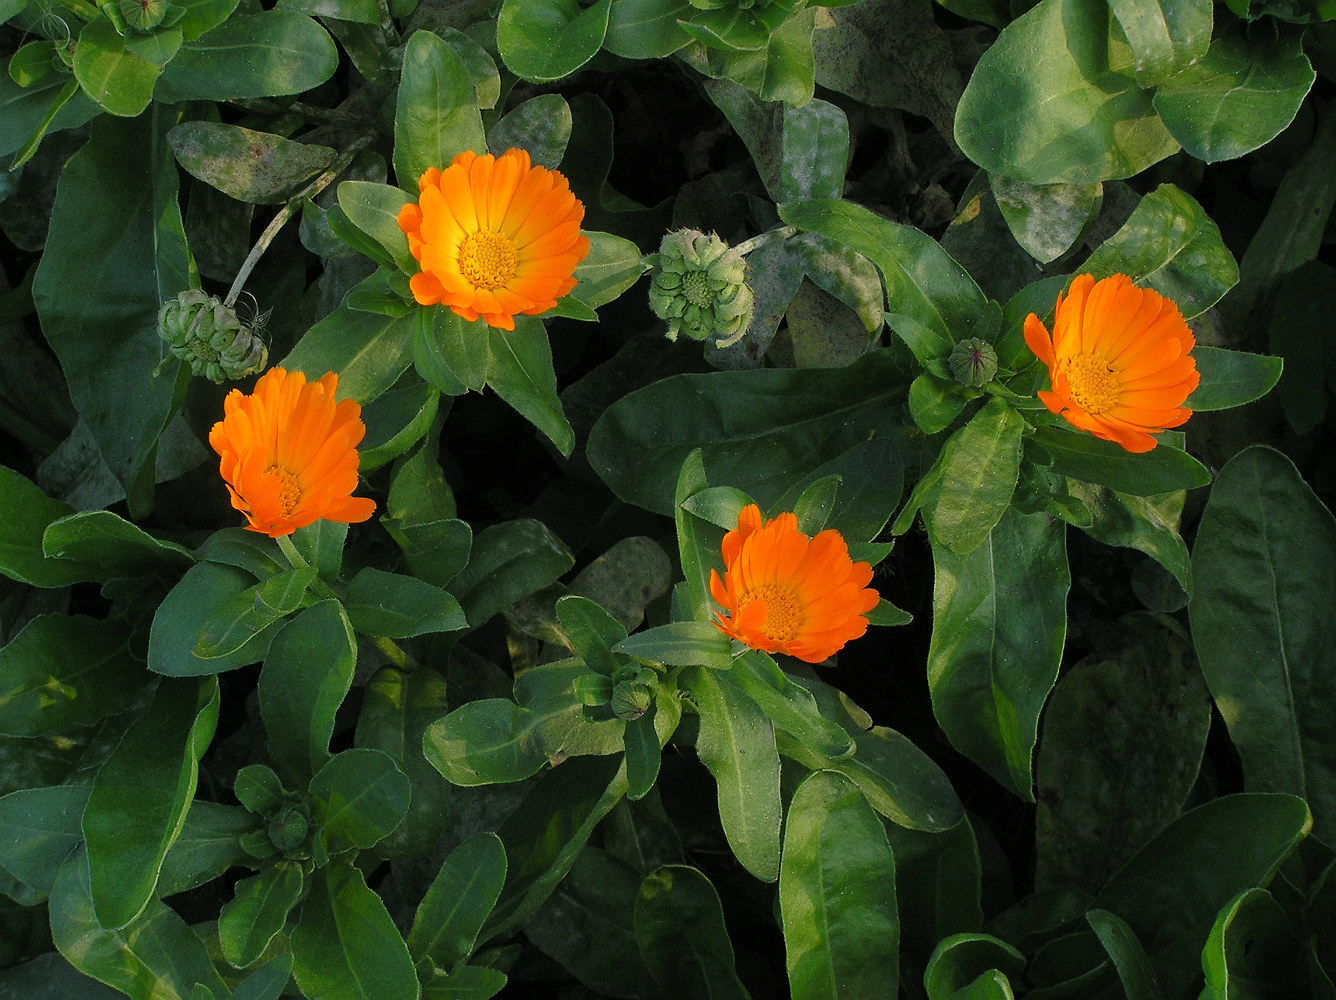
(288, 211)
(759, 240)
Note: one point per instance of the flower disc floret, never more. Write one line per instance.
(496, 237)
(288, 453)
(1119, 360)
(783, 592)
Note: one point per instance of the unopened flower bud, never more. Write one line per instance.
(287, 830)
(631, 700)
(143, 15)
(973, 362)
(701, 288)
(210, 337)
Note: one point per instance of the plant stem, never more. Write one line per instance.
(759, 240)
(288, 211)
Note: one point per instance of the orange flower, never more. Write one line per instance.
(496, 237)
(1118, 360)
(289, 453)
(786, 593)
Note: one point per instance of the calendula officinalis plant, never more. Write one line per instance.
(667, 499)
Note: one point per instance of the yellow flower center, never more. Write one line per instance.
(290, 493)
(783, 613)
(487, 260)
(1093, 383)
(696, 287)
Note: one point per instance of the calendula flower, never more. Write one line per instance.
(1118, 360)
(289, 453)
(786, 593)
(496, 237)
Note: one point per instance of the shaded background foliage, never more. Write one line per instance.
(1117, 802)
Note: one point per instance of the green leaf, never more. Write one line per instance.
(549, 829)
(1251, 950)
(931, 302)
(22, 557)
(119, 73)
(1129, 958)
(679, 924)
(1291, 233)
(897, 778)
(769, 431)
(1046, 219)
(1166, 36)
(374, 209)
(436, 112)
(397, 606)
(644, 755)
(592, 632)
(397, 421)
(1265, 548)
(520, 371)
(789, 705)
(737, 746)
(116, 546)
(140, 796)
(61, 671)
(647, 29)
(436, 550)
(937, 879)
(28, 113)
(345, 945)
(248, 613)
(972, 967)
(458, 902)
(837, 899)
(256, 167)
(258, 911)
(611, 267)
(544, 40)
(1172, 890)
(116, 216)
(509, 561)
(588, 925)
(360, 796)
(208, 845)
(977, 476)
(1048, 104)
(155, 956)
(267, 982)
(368, 350)
(1170, 244)
(541, 126)
(1299, 333)
(1147, 524)
(1238, 96)
(485, 742)
(39, 827)
(999, 619)
(204, 591)
(1231, 378)
(784, 69)
(449, 352)
(1140, 712)
(680, 644)
(1163, 469)
(397, 707)
(304, 680)
(266, 54)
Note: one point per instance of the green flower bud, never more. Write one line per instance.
(701, 288)
(631, 700)
(287, 830)
(142, 15)
(973, 362)
(210, 337)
